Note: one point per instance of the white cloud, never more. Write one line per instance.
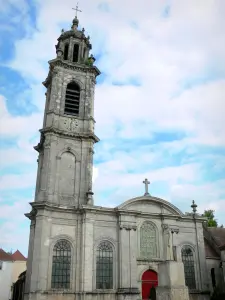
(20, 181)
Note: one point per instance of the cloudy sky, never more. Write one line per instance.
(160, 101)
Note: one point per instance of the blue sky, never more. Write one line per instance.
(159, 103)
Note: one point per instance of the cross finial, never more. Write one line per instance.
(76, 9)
(146, 183)
(194, 206)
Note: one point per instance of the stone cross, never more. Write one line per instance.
(146, 183)
(76, 9)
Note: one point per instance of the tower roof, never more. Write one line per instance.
(75, 32)
(18, 256)
(4, 256)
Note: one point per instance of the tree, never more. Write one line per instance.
(209, 214)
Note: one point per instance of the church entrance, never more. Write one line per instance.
(149, 283)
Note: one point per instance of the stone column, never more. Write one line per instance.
(89, 177)
(167, 241)
(171, 282)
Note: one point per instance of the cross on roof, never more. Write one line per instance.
(146, 183)
(76, 9)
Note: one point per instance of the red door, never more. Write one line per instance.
(149, 283)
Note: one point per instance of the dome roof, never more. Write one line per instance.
(75, 33)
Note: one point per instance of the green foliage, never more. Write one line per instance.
(89, 62)
(209, 214)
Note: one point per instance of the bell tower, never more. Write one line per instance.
(67, 138)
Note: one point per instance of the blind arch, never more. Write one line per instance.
(61, 265)
(104, 266)
(148, 241)
(72, 100)
(187, 255)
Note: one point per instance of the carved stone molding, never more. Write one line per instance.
(168, 228)
(93, 69)
(128, 227)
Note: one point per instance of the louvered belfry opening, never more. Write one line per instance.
(66, 52)
(72, 101)
(75, 52)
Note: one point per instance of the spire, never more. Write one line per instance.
(75, 20)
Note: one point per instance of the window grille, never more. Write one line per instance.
(189, 267)
(148, 241)
(104, 266)
(72, 101)
(61, 265)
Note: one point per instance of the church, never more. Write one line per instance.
(142, 249)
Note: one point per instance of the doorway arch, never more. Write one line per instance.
(149, 282)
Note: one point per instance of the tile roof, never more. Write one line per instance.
(18, 256)
(5, 256)
(209, 251)
(219, 234)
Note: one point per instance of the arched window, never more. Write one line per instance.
(148, 241)
(189, 267)
(75, 52)
(61, 265)
(104, 266)
(66, 51)
(72, 101)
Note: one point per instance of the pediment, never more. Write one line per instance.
(149, 204)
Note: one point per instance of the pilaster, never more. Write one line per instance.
(128, 263)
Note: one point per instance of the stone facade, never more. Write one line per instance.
(142, 232)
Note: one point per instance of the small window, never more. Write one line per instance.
(104, 266)
(61, 265)
(189, 267)
(1, 265)
(75, 52)
(72, 101)
(66, 52)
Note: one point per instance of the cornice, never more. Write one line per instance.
(81, 136)
(74, 66)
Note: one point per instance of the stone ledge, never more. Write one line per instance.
(128, 291)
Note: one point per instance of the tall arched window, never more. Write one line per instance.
(189, 267)
(61, 265)
(66, 51)
(72, 101)
(75, 52)
(104, 266)
(148, 241)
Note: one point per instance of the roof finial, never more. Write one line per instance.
(76, 9)
(75, 20)
(194, 206)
